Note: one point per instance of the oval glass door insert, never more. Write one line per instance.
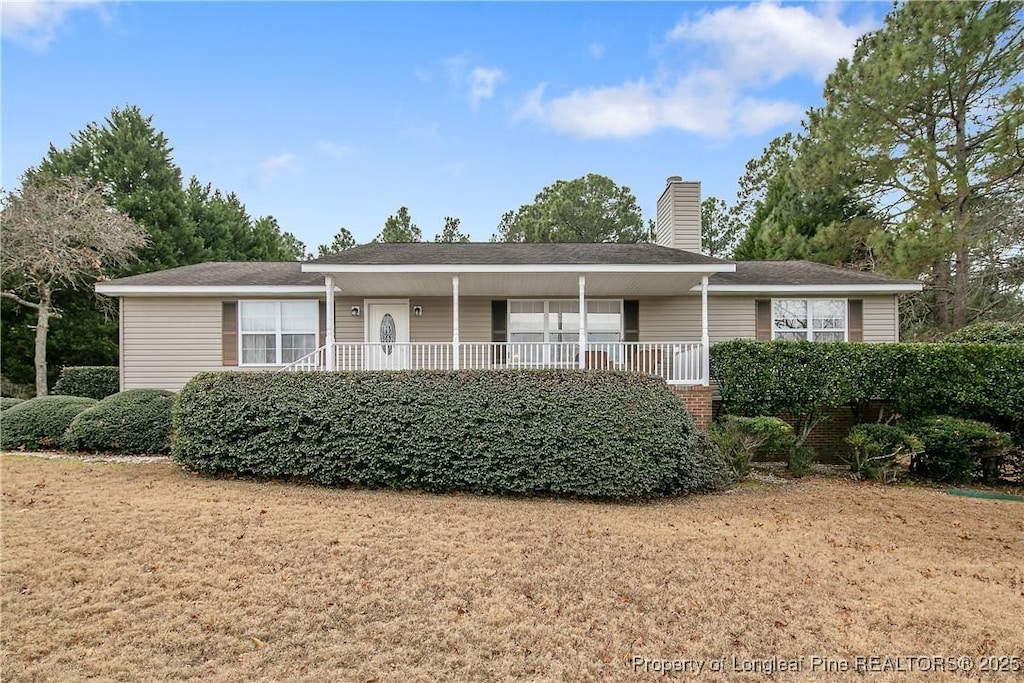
(388, 333)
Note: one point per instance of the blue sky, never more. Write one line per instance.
(329, 114)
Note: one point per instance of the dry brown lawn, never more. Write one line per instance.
(143, 571)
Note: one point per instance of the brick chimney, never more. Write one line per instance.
(678, 222)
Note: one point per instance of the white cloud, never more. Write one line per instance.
(335, 150)
(276, 165)
(768, 42)
(595, 50)
(482, 81)
(746, 50)
(476, 80)
(34, 23)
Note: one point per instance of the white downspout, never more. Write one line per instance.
(583, 321)
(456, 364)
(329, 323)
(705, 338)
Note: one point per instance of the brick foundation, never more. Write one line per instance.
(697, 400)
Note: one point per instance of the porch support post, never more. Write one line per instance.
(705, 338)
(455, 323)
(329, 323)
(583, 321)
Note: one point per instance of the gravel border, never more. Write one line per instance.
(89, 457)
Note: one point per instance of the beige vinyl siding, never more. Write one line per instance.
(348, 327)
(165, 341)
(881, 323)
(732, 317)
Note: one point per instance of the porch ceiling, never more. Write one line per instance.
(512, 285)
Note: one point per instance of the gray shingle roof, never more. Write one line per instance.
(501, 253)
(228, 274)
(799, 273)
(254, 273)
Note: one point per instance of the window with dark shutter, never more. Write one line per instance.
(229, 333)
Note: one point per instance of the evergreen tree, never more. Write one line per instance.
(400, 228)
(451, 232)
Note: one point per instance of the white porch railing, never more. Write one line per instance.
(675, 362)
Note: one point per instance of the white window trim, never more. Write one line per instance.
(547, 332)
(277, 333)
(810, 322)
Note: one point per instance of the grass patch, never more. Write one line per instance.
(122, 571)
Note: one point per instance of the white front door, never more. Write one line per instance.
(387, 335)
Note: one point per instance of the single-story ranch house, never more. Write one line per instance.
(651, 308)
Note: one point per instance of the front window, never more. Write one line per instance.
(820, 320)
(277, 332)
(557, 321)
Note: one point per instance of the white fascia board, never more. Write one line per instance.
(894, 288)
(523, 268)
(113, 289)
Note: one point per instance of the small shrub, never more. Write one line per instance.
(92, 381)
(877, 449)
(991, 332)
(600, 434)
(6, 402)
(40, 422)
(741, 439)
(957, 450)
(799, 459)
(134, 422)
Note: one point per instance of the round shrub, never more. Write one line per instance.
(6, 403)
(875, 450)
(957, 450)
(741, 439)
(94, 381)
(600, 434)
(990, 332)
(133, 422)
(40, 422)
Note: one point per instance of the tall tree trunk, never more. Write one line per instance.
(42, 328)
(940, 285)
(960, 287)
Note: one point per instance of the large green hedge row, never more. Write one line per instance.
(601, 434)
(133, 422)
(976, 381)
(998, 332)
(92, 381)
(40, 422)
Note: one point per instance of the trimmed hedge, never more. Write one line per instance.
(977, 381)
(6, 402)
(40, 422)
(92, 381)
(600, 434)
(957, 450)
(991, 332)
(134, 422)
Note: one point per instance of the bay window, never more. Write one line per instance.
(819, 320)
(277, 332)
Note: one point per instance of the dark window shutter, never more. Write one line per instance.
(763, 320)
(229, 333)
(631, 320)
(855, 320)
(499, 320)
(322, 324)
(499, 327)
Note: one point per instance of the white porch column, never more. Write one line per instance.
(455, 323)
(705, 338)
(583, 321)
(329, 323)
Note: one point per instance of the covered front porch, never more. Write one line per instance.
(509, 317)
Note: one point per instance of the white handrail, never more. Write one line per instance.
(677, 362)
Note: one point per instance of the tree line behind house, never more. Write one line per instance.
(912, 166)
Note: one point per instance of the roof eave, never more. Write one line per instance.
(114, 289)
(873, 288)
(723, 267)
